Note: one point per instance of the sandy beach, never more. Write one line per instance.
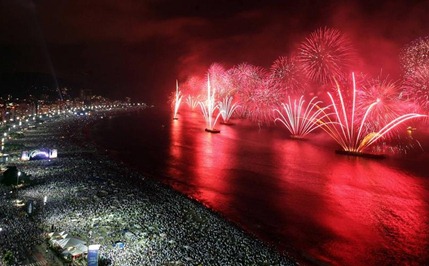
(100, 201)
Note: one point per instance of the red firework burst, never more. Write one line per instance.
(220, 80)
(287, 76)
(256, 93)
(326, 55)
(389, 104)
(415, 55)
(416, 87)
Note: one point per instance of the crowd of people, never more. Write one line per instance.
(101, 201)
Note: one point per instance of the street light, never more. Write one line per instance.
(17, 181)
(17, 177)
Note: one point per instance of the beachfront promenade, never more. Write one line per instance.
(101, 202)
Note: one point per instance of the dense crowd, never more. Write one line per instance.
(102, 202)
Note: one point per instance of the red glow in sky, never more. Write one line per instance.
(139, 48)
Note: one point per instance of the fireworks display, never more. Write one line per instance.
(326, 55)
(356, 118)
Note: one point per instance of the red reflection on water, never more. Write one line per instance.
(213, 162)
(176, 136)
(209, 179)
(207, 156)
(181, 146)
(384, 212)
(332, 208)
(350, 211)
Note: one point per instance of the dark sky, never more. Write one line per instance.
(139, 48)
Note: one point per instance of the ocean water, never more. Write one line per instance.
(299, 196)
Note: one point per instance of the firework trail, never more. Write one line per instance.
(227, 108)
(208, 108)
(299, 119)
(326, 55)
(349, 131)
(177, 100)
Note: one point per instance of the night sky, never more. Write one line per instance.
(139, 48)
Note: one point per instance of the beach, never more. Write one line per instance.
(101, 201)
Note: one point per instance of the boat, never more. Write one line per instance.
(362, 154)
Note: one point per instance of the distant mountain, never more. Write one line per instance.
(39, 85)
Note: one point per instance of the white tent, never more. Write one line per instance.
(69, 242)
(71, 246)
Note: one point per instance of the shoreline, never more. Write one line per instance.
(88, 197)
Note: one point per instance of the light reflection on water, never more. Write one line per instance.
(298, 195)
